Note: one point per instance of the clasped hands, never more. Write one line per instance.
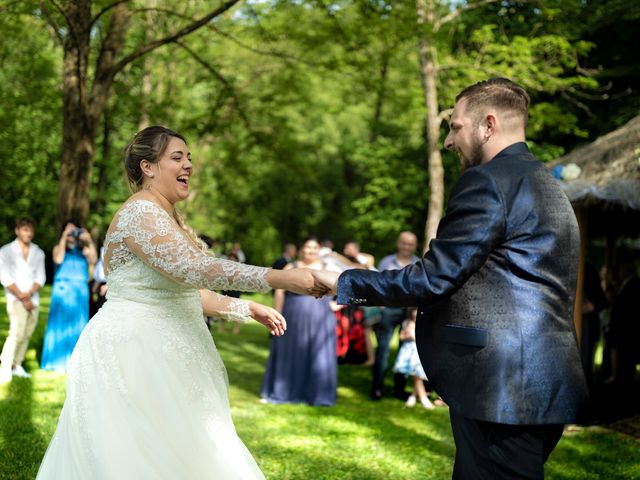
(25, 299)
(304, 281)
(325, 282)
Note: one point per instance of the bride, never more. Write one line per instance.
(147, 391)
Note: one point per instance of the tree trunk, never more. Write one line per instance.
(147, 86)
(99, 199)
(83, 108)
(76, 150)
(382, 88)
(428, 76)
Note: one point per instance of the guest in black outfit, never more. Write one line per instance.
(594, 302)
(624, 330)
(288, 255)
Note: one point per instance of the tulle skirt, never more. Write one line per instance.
(147, 398)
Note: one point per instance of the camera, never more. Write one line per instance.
(76, 232)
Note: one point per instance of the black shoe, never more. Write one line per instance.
(375, 395)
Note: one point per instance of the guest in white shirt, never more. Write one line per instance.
(22, 274)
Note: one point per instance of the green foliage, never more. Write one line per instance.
(394, 188)
(29, 125)
(305, 117)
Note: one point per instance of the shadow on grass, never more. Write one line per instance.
(245, 356)
(417, 442)
(22, 442)
(319, 466)
(586, 455)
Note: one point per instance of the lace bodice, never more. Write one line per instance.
(143, 233)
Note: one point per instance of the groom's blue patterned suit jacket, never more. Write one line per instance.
(495, 293)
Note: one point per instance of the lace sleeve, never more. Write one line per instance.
(154, 237)
(227, 308)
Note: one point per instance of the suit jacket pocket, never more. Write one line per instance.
(469, 336)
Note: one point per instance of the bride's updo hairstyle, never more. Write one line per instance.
(148, 144)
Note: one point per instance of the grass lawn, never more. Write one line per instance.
(357, 439)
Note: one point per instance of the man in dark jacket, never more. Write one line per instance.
(495, 294)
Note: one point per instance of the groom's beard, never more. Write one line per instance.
(475, 155)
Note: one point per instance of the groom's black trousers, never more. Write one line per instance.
(492, 451)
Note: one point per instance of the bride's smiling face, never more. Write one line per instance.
(172, 172)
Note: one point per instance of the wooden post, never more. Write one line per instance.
(581, 215)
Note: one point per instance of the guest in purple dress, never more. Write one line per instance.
(302, 365)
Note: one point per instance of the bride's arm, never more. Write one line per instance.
(152, 235)
(298, 280)
(214, 304)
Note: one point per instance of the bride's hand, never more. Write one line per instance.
(269, 317)
(296, 280)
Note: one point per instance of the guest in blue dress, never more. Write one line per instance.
(302, 365)
(74, 253)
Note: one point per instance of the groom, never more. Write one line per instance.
(495, 294)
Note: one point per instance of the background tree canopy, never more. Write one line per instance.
(304, 117)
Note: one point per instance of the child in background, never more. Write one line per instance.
(408, 363)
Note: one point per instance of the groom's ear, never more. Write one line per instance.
(490, 122)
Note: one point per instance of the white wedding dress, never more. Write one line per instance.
(147, 391)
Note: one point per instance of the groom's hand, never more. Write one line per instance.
(325, 283)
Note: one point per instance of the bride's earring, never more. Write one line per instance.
(147, 187)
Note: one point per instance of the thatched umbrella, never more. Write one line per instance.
(602, 180)
(609, 170)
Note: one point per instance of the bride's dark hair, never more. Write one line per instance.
(148, 144)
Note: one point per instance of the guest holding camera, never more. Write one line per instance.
(74, 253)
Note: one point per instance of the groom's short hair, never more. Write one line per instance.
(499, 93)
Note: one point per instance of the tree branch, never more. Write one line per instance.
(66, 17)
(458, 11)
(275, 54)
(577, 103)
(284, 56)
(110, 47)
(163, 10)
(51, 21)
(227, 84)
(601, 94)
(173, 37)
(267, 53)
(444, 114)
(104, 10)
